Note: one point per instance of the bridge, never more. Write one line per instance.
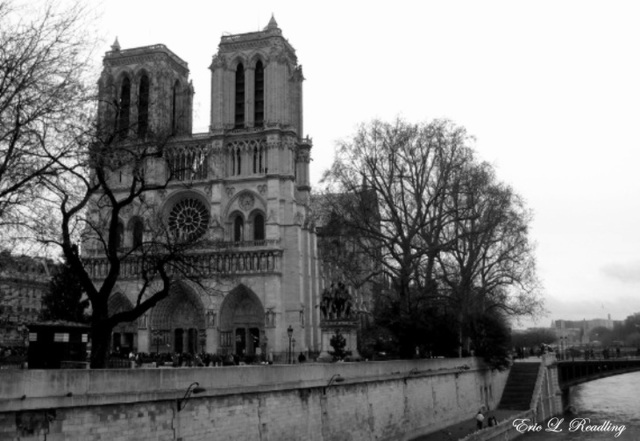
(572, 373)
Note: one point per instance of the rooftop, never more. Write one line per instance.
(117, 53)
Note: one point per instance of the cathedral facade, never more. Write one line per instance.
(243, 187)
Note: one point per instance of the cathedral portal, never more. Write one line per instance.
(178, 322)
(124, 337)
(242, 323)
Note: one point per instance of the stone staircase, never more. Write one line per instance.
(520, 386)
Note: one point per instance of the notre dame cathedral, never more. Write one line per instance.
(245, 187)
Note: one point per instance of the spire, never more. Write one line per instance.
(272, 24)
(115, 46)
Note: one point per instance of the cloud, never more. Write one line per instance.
(623, 272)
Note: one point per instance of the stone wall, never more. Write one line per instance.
(340, 401)
(547, 398)
(545, 403)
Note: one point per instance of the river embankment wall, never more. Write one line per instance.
(391, 400)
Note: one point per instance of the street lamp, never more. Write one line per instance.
(290, 334)
(194, 388)
(293, 353)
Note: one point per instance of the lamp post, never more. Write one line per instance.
(293, 352)
(194, 388)
(290, 334)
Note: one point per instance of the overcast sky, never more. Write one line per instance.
(550, 90)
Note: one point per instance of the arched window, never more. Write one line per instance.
(238, 229)
(174, 108)
(143, 106)
(137, 233)
(239, 120)
(120, 240)
(258, 114)
(233, 162)
(255, 160)
(258, 159)
(125, 105)
(258, 227)
(293, 166)
(238, 162)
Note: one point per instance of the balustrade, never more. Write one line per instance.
(239, 262)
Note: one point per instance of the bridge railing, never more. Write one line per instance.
(571, 373)
(597, 353)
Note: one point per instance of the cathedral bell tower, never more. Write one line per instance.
(144, 92)
(256, 126)
(256, 89)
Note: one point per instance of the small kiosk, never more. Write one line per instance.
(57, 344)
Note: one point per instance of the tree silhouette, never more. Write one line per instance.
(66, 298)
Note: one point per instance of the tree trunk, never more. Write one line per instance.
(100, 337)
(460, 318)
(100, 343)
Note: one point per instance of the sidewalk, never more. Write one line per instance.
(467, 427)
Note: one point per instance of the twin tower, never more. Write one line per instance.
(243, 187)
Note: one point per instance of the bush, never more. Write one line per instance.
(338, 343)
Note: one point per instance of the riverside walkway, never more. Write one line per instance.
(466, 427)
(514, 401)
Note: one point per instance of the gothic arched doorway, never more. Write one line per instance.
(178, 322)
(124, 336)
(242, 323)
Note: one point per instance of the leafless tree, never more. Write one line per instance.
(66, 177)
(118, 175)
(44, 57)
(399, 175)
(490, 264)
(432, 213)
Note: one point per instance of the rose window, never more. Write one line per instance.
(189, 219)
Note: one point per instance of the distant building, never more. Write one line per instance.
(576, 332)
(23, 282)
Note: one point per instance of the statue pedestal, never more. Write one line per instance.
(329, 328)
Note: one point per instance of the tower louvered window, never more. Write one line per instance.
(143, 106)
(239, 110)
(174, 108)
(259, 95)
(125, 107)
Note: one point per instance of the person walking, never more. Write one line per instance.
(479, 419)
